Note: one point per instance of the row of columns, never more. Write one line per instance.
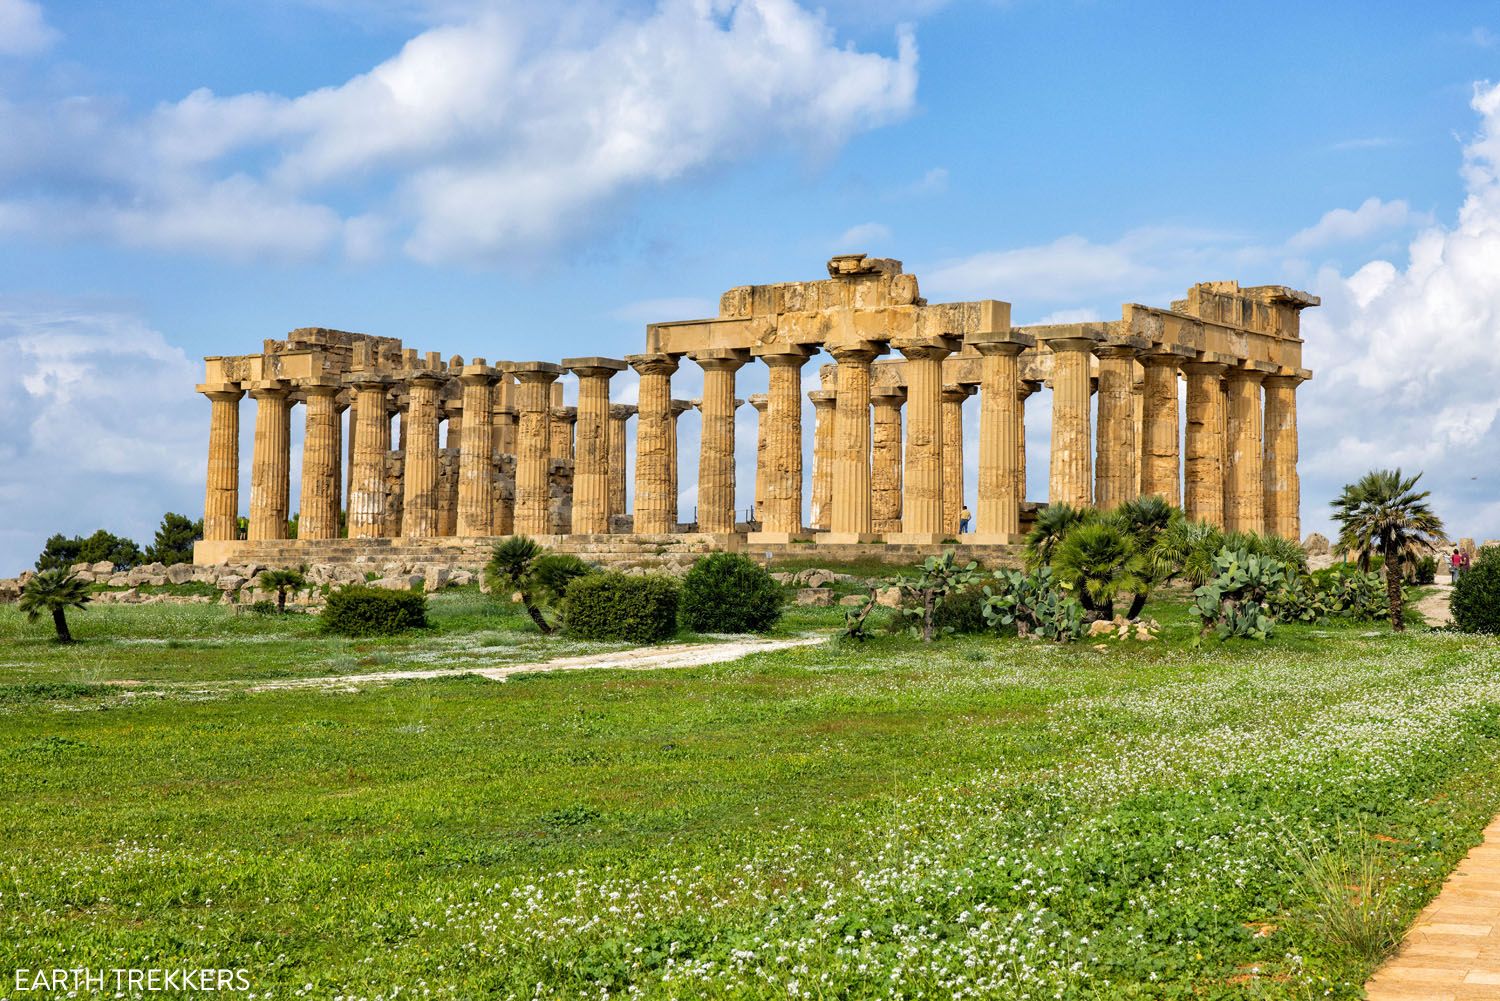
(1238, 466)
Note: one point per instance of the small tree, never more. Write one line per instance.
(1053, 523)
(941, 576)
(520, 565)
(1097, 562)
(1384, 513)
(174, 539)
(54, 591)
(284, 581)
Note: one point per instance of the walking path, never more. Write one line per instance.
(1434, 607)
(638, 659)
(1452, 953)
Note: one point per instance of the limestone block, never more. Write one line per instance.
(1315, 544)
(180, 573)
(102, 567)
(850, 600)
(10, 590)
(435, 579)
(80, 568)
(461, 578)
(119, 580)
(815, 596)
(403, 582)
(888, 597)
(230, 582)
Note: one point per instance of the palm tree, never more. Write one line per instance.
(54, 591)
(284, 581)
(1098, 562)
(510, 566)
(1385, 513)
(1052, 523)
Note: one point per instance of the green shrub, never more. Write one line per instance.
(1475, 602)
(1235, 601)
(1033, 604)
(729, 593)
(613, 606)
(963, 611)
(1426, 570)
(371, 611)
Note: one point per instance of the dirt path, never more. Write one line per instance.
(678, 655)
(1434, 606)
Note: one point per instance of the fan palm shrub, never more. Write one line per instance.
(54, 591)
(1383, 513)
(1052, 525)
(521, 566)
(1097, 561)
(284, 581)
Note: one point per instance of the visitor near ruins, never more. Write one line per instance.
(751, 499)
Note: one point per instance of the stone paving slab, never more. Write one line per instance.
(1452, 952)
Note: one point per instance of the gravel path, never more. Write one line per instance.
(639, 659)
(1434, 606)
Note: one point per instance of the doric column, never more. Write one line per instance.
(1203, 471)
(591, 456)
(1029, 388)
(824, 421)
(954, 396)
(1283, 489)
(367, 483)
(270, 469)
(419, 498)
(1000, 424)
(503, 439)
(318, 517)
(922, 477)
(716, 447)
(759, 402)
(452, 410)
(851, 520)
(619, 414)
(221, 500)
(533, 448)
(1117, 470)
(781, 487)
(679, 407)
(1161, 462)
(885, 453)
(1071, 476)
(1244, 501)
(655, 502)
(476, 458)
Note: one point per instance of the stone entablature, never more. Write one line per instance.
(887, 430)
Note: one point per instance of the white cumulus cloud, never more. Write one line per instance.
(479, 138)
(23, 29)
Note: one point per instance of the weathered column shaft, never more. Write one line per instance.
(452, 444)
(367, 487)
(999, 511)
(851, 455)
(759, 401)
(476, 459)
(533, 447)
(591, 452)
(1071, 479)
(619, 415)
(922, 496)
(1283, 488)
(1244, 503)
(781, 496)
(953, 458)
(1161, 464)
(221, 500)
(716, 447)
(655, 502)
(270, 470)
(825, 419)
(1203, 470)
(319, 509)
(885, 465)
(419, 497)
(1117, 472)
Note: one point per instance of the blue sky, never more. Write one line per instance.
(187, 178)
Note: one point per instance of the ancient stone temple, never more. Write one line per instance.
(485, 449)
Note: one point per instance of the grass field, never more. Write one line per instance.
(986, 818)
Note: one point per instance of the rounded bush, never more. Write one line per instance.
(614, 606)
(730, 593)
(1475, 602)
(963, 611)
(371, 611)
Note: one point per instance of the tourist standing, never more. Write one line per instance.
(963, 519)
(1455, 566)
